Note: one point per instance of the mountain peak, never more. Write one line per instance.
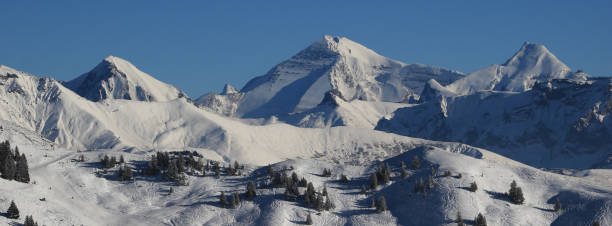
(532, 54)
(228, 89)
(116, 78)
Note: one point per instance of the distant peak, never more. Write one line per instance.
(228, 89)
(530, 53)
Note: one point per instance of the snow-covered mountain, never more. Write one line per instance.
(532, 63)
(340, 90)
(225, 103)
(560, 123)
(116, 78)
(353, 71)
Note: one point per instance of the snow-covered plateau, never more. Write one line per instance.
(381, 142)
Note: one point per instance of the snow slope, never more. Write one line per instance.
(332, 63)
(560, 123)
(116, 78)
(74, 195)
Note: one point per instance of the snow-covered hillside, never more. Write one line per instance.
(560, 123)
(65, 191)
(116, 78)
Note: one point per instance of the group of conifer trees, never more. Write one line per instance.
(13, 165)
(13, 213)
(125, 172)
(313, 199)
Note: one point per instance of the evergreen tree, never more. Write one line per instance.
(12, 212)
(516, 193)
(125, 173)
(404, 174)
(29, 221)
(113, 162)
(121, 159)
(251, 191)
(222, 200)
(402, 164)
(381, 204)
(270, 171)
(373, 181)
(236, 165)
(363, 190)
(459, 220)
(217, 170)
(303, 183)
(153, 167)
(473, 186)
(328, 203)
(447, 173)
(557, 204)
(9, 169)
(596, 223)
(180, 165)
(172, 173)
(372, 203)
(235, 200)
(416, 163)
(344, 179)
(309, 219)
(430, 184)
(480, 220)
(386, 174)
(294, 177)
(182, 180)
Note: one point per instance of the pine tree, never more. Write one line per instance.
(596, 223)
(324, 192)
(381, 204)
(430, 184)
(473, 186)
(303, 182)
(416, 163)
(9, 169)
(113, 162)
(22, 173)
(516, 193)
(217, 170)
(12, 212)
(344, 179)
(182, 180)
(386, 174)
(295, 178)
(121, 159)
(372, 203)
(480, 220)
(363, 190)
(557, 204)
(251, 190)
(309, 219)
(459, 220)
(373, 181)
(404, 174)
(235, 200)
(447, 173)
(172, 173)
(29, 221)
(180, 165)
(222, 200)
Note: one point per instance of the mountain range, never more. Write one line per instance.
(336, 104)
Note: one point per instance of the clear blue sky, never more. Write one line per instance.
(199, 45)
